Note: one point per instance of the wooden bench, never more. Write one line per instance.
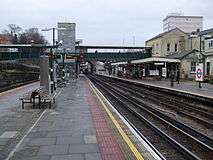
(45, 97)
(41, 94)
(28, 97)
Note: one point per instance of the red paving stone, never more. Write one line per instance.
(107, 143)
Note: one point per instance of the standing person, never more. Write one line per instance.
(178, 77)
(172, 77)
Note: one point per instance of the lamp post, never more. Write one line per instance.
(200, 60)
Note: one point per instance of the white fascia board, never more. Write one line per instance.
(155, 59)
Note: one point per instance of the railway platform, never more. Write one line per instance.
(81, 126)
(185, 87)
(190, 87)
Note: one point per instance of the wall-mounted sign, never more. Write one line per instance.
(154, 72)
(159, 63)
(164, 72)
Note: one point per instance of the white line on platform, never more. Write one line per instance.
(31, 128)
(140, 139)
(17, 146)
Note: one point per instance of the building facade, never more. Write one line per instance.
(208, 51)
(188, 48)
(167, 42)
(67, 34)
(187, 24)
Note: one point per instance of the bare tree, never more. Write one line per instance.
(12, 32)
(14, 29)
(32, 35)
(16, 35)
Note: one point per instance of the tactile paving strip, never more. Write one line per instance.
(108, 145)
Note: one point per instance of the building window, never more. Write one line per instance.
(176, 47)
(193, 66)
(153, 47)
(168, 47)
(211, 44)
(157, 46)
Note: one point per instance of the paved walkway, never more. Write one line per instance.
(14, 122)
(76, 129)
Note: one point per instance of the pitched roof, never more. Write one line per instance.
(204, 32)
(181, 55)
(164, 33)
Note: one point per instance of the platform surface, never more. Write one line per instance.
(14, 122)
(191, 87)
(76, 129)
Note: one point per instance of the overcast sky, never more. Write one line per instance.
(102, 22)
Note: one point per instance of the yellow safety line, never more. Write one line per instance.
(123, 134)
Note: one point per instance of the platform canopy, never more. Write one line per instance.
(155, 59)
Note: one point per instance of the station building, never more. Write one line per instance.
(172, 50)
(189, 49)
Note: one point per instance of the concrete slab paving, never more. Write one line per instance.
(88, 139)
(9, 134)
(92, 156)
(77, 139)
(42, 141)
(53, 150)
(14, 121)
(68, 157)
(75, 130)
(83, 148)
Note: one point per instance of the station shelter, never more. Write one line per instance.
(155, 67)
(119, 69)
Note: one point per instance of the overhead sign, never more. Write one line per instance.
(70, 59)
(199, 72)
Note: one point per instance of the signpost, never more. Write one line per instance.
(199, 73)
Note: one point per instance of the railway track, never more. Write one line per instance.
(202, 117)
(199, 118)
(173, 139)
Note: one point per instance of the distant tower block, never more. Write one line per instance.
(67, 35)
(187, 24)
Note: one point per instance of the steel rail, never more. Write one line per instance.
(157, 113)
(165, 136)
(158, 100)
